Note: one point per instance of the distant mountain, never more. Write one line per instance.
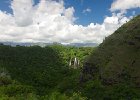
(83, 44)
(26, 44)
(46, 44)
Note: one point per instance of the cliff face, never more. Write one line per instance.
(117, 59)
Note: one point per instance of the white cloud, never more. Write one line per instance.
(86, 10)
(23, 12)
(125, 4)
(50, 21)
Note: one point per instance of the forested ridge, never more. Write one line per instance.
(110, 71)
(115, 64)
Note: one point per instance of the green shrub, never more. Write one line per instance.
(13, 90)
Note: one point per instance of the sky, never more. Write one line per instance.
(63, 21)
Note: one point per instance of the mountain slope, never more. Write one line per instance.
(117, 59)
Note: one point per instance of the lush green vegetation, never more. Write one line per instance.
(111, 72)
(41, 73)
(115, 65)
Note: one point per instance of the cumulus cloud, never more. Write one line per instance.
(125, 4)
(23, 12)
(50, 21)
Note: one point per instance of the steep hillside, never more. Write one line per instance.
(117, 59)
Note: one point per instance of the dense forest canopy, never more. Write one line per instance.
(38, 70)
